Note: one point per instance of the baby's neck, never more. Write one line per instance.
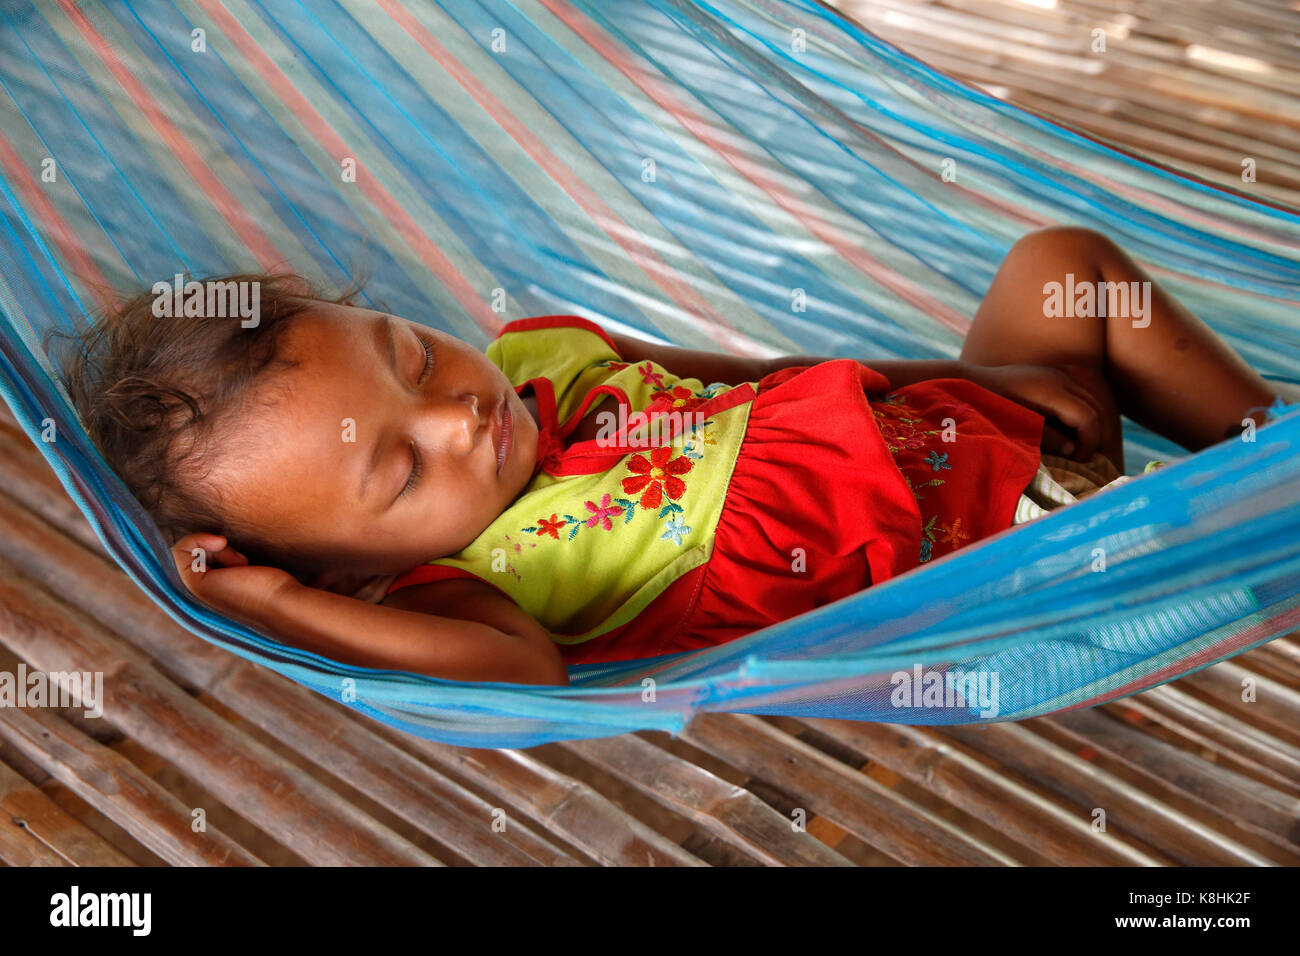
(587, 429)
(529, 398)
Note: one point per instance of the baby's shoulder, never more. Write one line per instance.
(558, 328)
(556, 347)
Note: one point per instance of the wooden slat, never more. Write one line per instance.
(1274, 710)
(288, 804)
(32, 823)
(1240, 801)
(569, 808)
(1273, 663)
(118, 788)
(907, 832)
(18, 847)
(1229, 740)
(1128, 809)
(1028, 816)
(27, 478)
(454, 816)
(84, 812)
(1145, 91)
(730, 813)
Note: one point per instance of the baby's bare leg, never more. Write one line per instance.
(1171, 373)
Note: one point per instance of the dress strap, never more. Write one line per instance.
(593, 455)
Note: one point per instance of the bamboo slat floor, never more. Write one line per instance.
(1199, 86)
(1202, 771)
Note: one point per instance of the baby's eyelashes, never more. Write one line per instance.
(428, 361)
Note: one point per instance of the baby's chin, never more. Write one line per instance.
(409, 553)
(417, 555)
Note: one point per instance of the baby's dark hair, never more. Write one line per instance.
(154, 393)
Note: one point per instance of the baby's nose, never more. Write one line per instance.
(452, 422)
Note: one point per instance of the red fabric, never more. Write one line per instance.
(425, 573)
(815, 473)
(994, 456)
(558, 322)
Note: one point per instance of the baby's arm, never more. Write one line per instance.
(708, 367)
(711, 367)
(1048, 391)
(456, 630)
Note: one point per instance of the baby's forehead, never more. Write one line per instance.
(328, 331)
(284, 408)
(275, 451)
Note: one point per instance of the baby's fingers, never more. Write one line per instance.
(230, 558)
(1055, 441)
(195, 553)
(190, 552)
(1082, 416)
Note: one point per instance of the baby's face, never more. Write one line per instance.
(373, 456)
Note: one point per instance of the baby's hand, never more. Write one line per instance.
(222, 577)
(1053, 394)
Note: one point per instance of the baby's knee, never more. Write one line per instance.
(1064, 243)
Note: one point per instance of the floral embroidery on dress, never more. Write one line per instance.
(649, 376)
(653, 478)
(674, 530)
(897, 422)
(952, 534)
(700, 436)
(518, 548)
(600, 515)
(551, 526)
(925, 484)
(899, 427)
(955, 534)
(927, 538)
(658, 475)
(676, 399)
(701, 433)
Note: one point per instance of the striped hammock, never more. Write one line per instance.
(748, 176)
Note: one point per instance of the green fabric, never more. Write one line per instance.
(583, 554)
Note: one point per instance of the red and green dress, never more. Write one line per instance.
(720, 509)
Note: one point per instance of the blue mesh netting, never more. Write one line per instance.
(676, 170)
